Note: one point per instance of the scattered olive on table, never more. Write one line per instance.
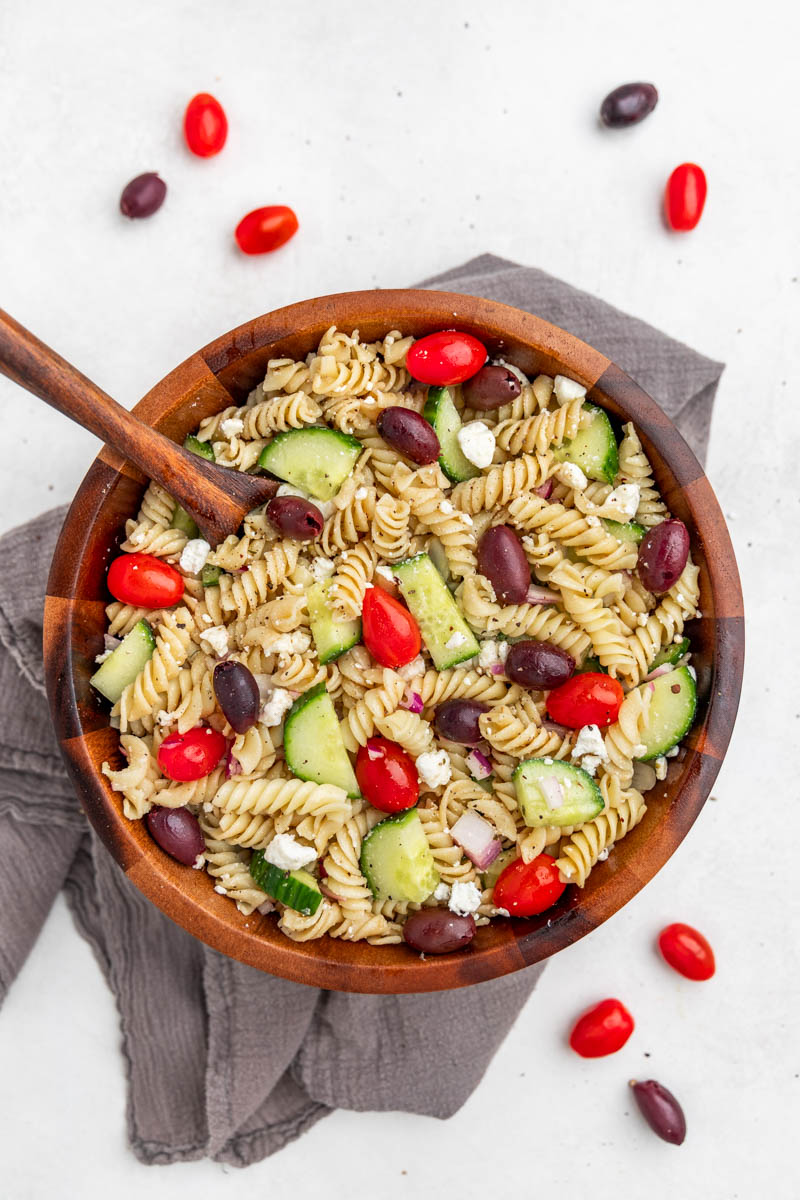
(457, 720)
(628, 104)
(205, 126)
(177, 832)
(438, 931)
(660, 1109)
(502, 560)
(539, 665)
(491, 388)
(237, 694)
(296, 518)
(143, 196)
(409, 433)
(663, 554)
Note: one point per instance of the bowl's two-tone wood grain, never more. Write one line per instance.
(223, 373)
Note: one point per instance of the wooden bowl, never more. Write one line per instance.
(223, 373)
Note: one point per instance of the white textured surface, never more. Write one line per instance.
(410, 137)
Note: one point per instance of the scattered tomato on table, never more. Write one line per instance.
(601, 1030)
(266, 229)
(205, 126)
(687, 951)
(685, 197)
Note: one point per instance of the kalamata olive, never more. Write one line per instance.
(491, 388)
(237, 694)
(502, 560)
(628, 104)
(143, 196)
(409, 433)
(659, 1108)
(438, 931)
(457, 720)
(539, 665)
(663, 552)
(296, 518)
(177, 832)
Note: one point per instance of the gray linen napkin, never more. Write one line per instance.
(248, 1062)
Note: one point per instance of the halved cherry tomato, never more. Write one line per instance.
(527, 889)
(446, 358)
(387, 776)
(144, 581)
(205, 125)
(191, 755)
(589, 699)
(685, 196)
(687, 951)
(601, 1030)
(390, 632)
(266, 229)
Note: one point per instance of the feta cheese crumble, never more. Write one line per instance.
(465, 898)
(361, 493)
(622, 503)
(288, 489)
(275, 707)
(322, 568)
(590, 741)
(477, 443)
(296, 642)
(217, 639)
(442, 891)
(660, 767)
(194, 555)
(571, 476)
(493, 654)
(413, 669)
(502, 912)
(434, 768)
(446, 507)
(458, 639)
(231, 426)
(385, 573)
(286, 853)
(567, 389)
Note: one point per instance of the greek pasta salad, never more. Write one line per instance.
(430, 682)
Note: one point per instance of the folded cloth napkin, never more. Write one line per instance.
(246, 1062)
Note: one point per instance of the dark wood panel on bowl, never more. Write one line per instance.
(223, 373)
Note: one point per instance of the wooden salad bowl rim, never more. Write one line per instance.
(221, 374)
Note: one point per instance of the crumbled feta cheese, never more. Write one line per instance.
(502, 912)
(385, 573)
(622, 503)
(515, 371)
(322, 568)
(590, 763)
(217, 639)
(296, 642)
(642, 619)
(465, 898)
(446, 507)
(457, 639)
(361, 493)
(678, 638)
(101, 658)
(194, 555)
(288, 489)
(639, 749)
(571, 476)
(165, 718)
(442, 891)
(219, 889)
(199, 862)
(275, 706)
(207, 620)
(692, 672)
(673, 753)
(231, 426)
(567, 389)
(660, 766)
(466, 518)
(590, 741)
(413, 669)
(286, 853)
(603, 855)
(493, 654)
(434, 768)
(477, 443)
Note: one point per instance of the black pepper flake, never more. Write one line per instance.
(676, 687)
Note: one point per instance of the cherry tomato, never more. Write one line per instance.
(390, 632)
(601, 1030)
(387, 775)
(205, 125)
(588, 699)
(527, 889)
(446, 358)
(144, 581)
(266, 229)
(685, 196)
(687, 951)
(191, 755)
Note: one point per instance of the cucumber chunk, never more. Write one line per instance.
(594, 448)
(581, 796)
(670, 654)
(331, 637)
(124, 664)
(436, 612)
(443, 415)
(591, 664)
(672, 708)
(201, 449)
(438, 557)
(209, 576)
(295, 889)
(316, 459)
(630, 531)
(490, 876)
(312, 742)
(396, 860)
(181, 520)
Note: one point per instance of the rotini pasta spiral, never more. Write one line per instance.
(137, 782)
(535, 435)
(144, 695)
(501, 484)
(584, 847)
(389, 528)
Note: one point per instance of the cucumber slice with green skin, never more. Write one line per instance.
(210, 576)
(124, 664)
(442, 414)
(331, 637)
(312, 742)
(671, 654)
(493, 872)
(295, 889)
(316, 459)
(181, 520)
(672, 708)
(630, 531)
(396, 860)
(593, 449)
(201, 449)
(435, 611)
(582, 798)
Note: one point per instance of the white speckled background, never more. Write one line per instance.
(409, 138)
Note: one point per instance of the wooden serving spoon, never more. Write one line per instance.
(217, 498)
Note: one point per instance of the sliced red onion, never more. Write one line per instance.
(554, 727)
(326, 891)
(476, 837)
(497, 669)
(413, 703)
(664, 669)
(266, 907)
(373, 752)
(552, 790)
(541, 595)
(546, 489)
(479, 765)
(651, 687)
(232, 765)
(110, 642)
